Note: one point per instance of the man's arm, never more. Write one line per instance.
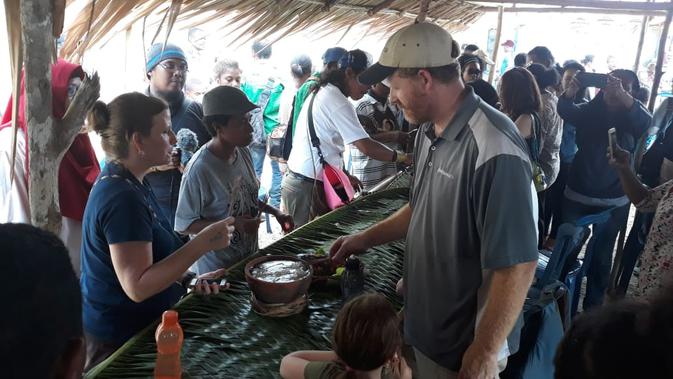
(505, 298)
(391, 229)
(504, 206)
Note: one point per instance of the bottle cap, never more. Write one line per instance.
(170, 317)
(352, 263)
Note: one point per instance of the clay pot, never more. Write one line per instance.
(277, 293)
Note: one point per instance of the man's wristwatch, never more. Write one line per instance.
(399, 157)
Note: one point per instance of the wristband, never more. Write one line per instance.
(400, 157)
(394, 156)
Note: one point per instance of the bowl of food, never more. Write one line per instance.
(278, 279)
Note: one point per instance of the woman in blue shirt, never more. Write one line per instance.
(133, 264)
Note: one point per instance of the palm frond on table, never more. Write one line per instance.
(225, 338)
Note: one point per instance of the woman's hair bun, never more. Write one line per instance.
(99, 117)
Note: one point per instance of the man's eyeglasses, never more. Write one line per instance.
(172, 66)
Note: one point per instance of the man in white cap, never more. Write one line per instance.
(470, 225)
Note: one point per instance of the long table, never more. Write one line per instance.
(224, 338)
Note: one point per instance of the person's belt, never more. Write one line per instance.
(301, 177)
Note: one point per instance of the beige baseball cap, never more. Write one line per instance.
(420, 45)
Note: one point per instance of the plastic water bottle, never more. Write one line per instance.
(353, 278)
(169, 339)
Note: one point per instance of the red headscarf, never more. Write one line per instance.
(79, 167)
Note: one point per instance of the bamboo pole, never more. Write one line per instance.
(556, 9)
(641, 42)
(498, 33)
(596, 4)
(658, 72)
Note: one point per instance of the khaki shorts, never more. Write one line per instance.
(302, 199)
(427, 368)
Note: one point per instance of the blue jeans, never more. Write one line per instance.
(258, 157)
(634, 247)
(598, 255)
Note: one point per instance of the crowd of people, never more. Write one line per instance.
(495, 172)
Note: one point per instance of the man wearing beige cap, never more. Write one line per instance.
(471, 245)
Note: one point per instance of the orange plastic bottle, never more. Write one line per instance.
(169, 339)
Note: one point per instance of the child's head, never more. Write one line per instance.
(225, 115)
(366, 332)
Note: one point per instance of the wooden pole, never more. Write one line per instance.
(596, 4)
(48, 139)
(660, 60)
(423, 11)
(641, 42)
(498, 33)
(556, 9)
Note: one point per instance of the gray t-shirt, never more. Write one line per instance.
(213, 189)
(472, 212)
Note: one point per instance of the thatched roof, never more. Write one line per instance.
(258, 18)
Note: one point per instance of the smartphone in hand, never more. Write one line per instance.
(221, 282)
(612, 141)
(591, 79)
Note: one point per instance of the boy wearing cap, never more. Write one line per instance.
(166, 70)
(470, 225)
(220, 181)
(329, 61)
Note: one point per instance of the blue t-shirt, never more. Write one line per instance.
(121, 209)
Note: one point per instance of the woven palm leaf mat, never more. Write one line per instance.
(225, 338)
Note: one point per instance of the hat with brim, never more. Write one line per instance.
(226, 101)
(420, 45)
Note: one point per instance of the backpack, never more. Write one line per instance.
(257, 115)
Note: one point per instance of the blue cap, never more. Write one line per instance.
(158, 53)
(357, 60)
(333, 54)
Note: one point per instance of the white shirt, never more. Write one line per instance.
(336, 125)
(14, 205)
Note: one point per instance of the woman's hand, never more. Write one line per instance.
(217, 236)
(247, 224)
(286, 222)
(202, 286)
(620, 159)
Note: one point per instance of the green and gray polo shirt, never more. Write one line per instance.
(473, 211)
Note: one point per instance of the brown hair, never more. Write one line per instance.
(366, 332)
(519, 93)
(443, 74)
(126, 114)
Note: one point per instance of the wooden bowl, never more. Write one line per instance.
(281, 292)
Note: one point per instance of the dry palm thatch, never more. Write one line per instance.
(261, 18)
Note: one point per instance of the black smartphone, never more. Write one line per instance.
(221, 282)
(591, 79)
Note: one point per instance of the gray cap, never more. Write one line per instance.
(226, 101)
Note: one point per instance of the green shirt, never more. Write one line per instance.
(272, 107)
(302, 94)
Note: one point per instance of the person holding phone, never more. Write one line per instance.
(134, 267)
(592, 187)
(656, 268)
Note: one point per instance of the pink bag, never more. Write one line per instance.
(338, 188)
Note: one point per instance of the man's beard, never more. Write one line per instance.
(171, 97)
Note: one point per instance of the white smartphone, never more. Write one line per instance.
(612, 141)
